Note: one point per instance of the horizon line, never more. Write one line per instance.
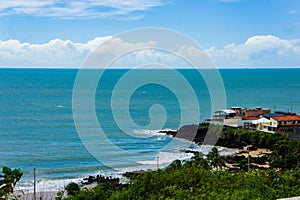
(5, 67)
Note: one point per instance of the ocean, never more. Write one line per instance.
(38, 130)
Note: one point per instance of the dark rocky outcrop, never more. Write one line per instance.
(133, 174)
(198, 133)
(115, 182)
(169, 132)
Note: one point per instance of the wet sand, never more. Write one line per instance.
(50, 195)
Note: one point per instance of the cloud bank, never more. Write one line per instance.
(258, 51)
(56, 53)
(78, 8)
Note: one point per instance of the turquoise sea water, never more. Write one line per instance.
(37, 127)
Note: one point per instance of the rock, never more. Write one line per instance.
(169, 132)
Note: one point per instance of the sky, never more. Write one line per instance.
(234, 33)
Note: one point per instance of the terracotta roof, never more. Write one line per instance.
(287, 118)
(251, 118)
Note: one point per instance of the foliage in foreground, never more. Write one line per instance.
(8, 180)
(195, 180)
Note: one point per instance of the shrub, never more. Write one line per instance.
(72, 188)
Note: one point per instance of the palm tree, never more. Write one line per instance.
(198, 160)
(8, 180)
(215, 159)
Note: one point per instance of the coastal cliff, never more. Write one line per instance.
(188, 132)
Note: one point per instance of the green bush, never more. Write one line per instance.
(8, 180)
(72, 188)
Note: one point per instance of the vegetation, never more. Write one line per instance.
(197, 179)
(258, 138)
(72, 188)
(285, 152)
(214, 159)
(8, 180)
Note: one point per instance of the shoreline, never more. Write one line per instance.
(236, 152)
(89, 184)
(47, 195)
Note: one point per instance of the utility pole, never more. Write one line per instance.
(291, 105)
(34, 183)
(157, 162)
(248, 157)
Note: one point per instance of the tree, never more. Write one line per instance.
(176, 164)
(215, 159)
(8, 180)
(285, 154)
(198, 160)
(72, 188)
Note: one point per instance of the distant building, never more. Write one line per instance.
(286, 124)
(237, 110)
(220, 115)
(285, 113)
(269, 115)
(279, 114)
(261, 124)
(258, 118)
(250, 112)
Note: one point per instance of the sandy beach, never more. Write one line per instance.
(49, 195)
(254, 153)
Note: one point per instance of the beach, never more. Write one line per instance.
(47, 195)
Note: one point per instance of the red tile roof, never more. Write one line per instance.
(287, 118)
(251, 118)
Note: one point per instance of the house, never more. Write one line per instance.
(250, 112)
(285, 124)
(285, 113)
(258, 111)
(261, 124)
(220, 115)
(279, 114)
(269, 115)
(264, 124)
(258, 118)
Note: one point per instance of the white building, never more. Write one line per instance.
(261, 124)
(220, 115)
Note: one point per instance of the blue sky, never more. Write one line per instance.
(228, 29)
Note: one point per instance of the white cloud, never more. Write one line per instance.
(78, 8)
(59, 53)
(55, 53)
(115, 47)
(257, 51)
(293, 12)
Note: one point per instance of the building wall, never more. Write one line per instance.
(246, 112)
(255, 112)
(232, 122)
(273, 123)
